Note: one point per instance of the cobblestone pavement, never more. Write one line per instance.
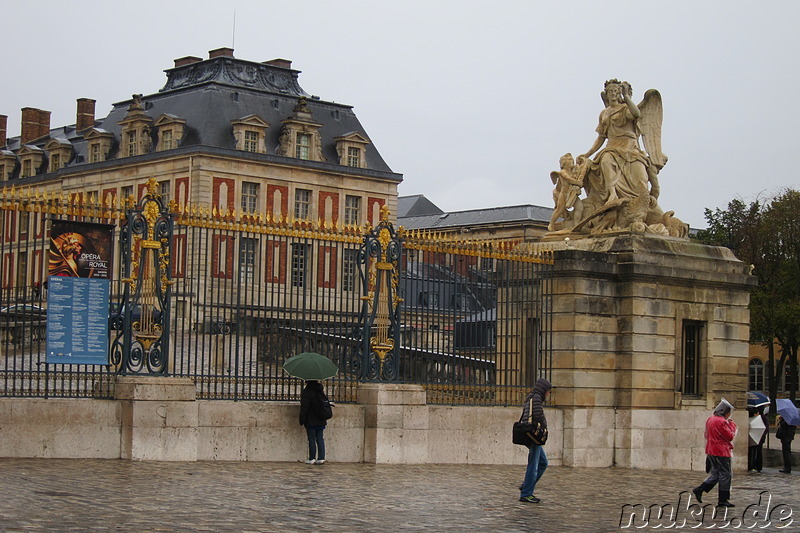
(110, 495)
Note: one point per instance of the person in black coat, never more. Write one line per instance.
(537, 459)
(785, 434)
(755, 450)
(311, 417)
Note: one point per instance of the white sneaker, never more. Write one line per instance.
(310, 462)
(320, 461)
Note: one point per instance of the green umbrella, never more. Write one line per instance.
(310, 366)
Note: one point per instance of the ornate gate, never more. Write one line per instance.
(141, 318)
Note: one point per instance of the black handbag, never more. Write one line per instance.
(528, 433)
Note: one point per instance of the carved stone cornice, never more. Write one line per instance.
(237, 73)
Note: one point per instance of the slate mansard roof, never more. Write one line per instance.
(417, 212)
(211, 94)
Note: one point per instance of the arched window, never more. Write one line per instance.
(756, 375)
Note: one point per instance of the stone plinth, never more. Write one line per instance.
(159, 418)
(396, 423)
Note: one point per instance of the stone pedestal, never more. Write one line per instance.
(159, 418)
(395, 423)
(621, 305)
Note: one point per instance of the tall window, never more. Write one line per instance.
(250, 141)
(249, 197)
(299, 264)
(247, 258)
(22, 269)
(755, 375)
(354, 157)
(349, 270)
(303, 146)
(132, 151)
(163, 190)
(3, 172)
(692, 337)
(95, 156)
(127, 192)
(302, 203)
(352, 210)
(55, 162)
(166, 140)
(26, 168)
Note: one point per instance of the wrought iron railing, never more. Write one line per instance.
(235, 294)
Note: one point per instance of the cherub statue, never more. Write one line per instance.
(568, 184)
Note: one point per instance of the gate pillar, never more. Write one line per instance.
(395, 423)
(159, 418)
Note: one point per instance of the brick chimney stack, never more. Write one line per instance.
(188, 60)
(3, 130)
(85, 114)
(44, 124)
(220, 52)
(30, 125)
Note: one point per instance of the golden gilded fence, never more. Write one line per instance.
(475, 316)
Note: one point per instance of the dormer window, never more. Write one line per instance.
(60, 151)
(31, 158)
(8, 161)
(170, 131)
(136, 129)
(352, 149)
(250, 134)
(98, 143)
(300, 136)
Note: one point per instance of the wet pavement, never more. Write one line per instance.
(112, 495)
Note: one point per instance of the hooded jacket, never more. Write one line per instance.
(720, 431)
(538, 393)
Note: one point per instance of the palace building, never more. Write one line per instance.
(237, 135)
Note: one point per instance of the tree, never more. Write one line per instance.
(766, 234)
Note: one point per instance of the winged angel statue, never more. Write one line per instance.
(621, 182)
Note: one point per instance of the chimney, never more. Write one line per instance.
(188, 60)
(220, 52)
(30, 125)
(282, 63)
(44, 124)
(85, 115)
(3, 130)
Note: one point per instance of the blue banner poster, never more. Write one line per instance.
(78, 292)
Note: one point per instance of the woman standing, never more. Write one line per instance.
(537, 459)
(312, 418)
(785, 434)
(720, 431)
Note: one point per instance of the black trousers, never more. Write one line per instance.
(755, 457)
(786, 447)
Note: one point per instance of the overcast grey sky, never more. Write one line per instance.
(473, 102)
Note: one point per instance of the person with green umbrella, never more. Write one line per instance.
(314, 416)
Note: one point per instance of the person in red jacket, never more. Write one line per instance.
(720, 431)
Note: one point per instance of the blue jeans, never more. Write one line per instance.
(316, 442)
(537, 463)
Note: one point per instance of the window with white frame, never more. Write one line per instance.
(166, 140)
(250, 141)
(354, 157)
(352, 210)
(27, 166)
(299, 264)
(55, 162)
(127, 191)
(96, 154)
(164, 190)
(249, 197)
(350, 270)
(755, 375)
(132, 144)
(302, 204)
(247, 258)
(303, 146)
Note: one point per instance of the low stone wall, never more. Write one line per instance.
(159, 419)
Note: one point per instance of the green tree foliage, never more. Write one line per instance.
(766, 234)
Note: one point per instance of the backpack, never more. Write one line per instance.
(324, 409)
